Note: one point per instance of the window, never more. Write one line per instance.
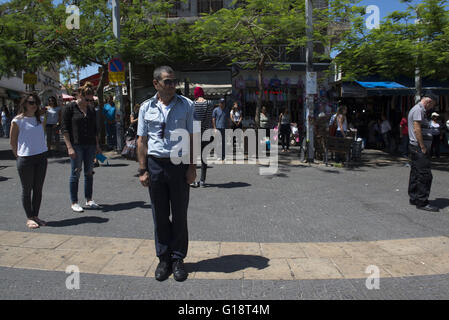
(173, 13)
(209, 6)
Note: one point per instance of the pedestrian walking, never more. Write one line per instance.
(202, 112)
(133, 119)
(168, 183)
(403, 129)
(236, 120)
(420, 135)
(79, 127)
(285, 129)
(6, 121)
(109, 112)
(219, 121)
(385, 131)
(342, 128)
(53, 120)
(436, 136)
(29, 147)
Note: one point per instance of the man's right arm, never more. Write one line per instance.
(142, 150)
(418, 134)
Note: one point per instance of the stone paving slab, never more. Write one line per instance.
(229, 260)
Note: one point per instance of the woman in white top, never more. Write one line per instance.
(29, 147)
(236, 116)
(342, 122)
(285, 129)
(53, 119)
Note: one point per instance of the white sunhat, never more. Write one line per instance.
(447, 124)
(435, 114)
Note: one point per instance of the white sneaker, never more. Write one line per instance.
(77, 208)
(91, 204)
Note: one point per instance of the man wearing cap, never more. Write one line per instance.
(435, 126)
(160, 118)
(219, 121)
(420, 135)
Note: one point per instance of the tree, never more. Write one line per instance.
(248, 33)
(400, 46)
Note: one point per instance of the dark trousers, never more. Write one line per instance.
(420, 180)
(111, 134)
(435, 149)
(404, 145)
(285, 136)
(32, 172)
(223, 142)
(203, 163)
(169, 193)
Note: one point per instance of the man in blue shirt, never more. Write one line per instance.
(219, 121)
(109, 115)
(160, 119)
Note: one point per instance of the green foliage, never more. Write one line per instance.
(400, 45)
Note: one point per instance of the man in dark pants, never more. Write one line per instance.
(168, 182)
(219, 121)
(420, 135)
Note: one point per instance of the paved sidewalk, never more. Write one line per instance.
(309, 231)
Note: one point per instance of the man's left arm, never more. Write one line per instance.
(191, 171)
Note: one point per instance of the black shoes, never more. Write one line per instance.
(428, 207)
(412, 202)
(163, 270)
(179, 270)
(165, 267)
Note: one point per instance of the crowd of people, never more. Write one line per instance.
(152, 123)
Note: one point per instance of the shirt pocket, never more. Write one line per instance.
(153, 121)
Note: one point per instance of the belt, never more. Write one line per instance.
(159, 159)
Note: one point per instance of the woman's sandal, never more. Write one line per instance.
(31, 224)
(39, 221)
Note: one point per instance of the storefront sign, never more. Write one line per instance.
(30, 78)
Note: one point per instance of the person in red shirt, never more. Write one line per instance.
(404, 137)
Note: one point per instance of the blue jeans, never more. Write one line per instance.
(111, 134)
(86, 154)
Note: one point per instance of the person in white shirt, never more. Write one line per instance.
(29, 147)
(53, 119)
(436, 137)
(385, 129)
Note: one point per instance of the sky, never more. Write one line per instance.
(385, 7)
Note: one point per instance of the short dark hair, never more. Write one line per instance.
(432, 96)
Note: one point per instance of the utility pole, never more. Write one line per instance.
(118, 89)
(418, 80)
(308, 83)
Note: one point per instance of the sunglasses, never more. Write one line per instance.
(89, 100)
(169, 82)
(31, 102)
(162, 133)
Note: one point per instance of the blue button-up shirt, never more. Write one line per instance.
(151, 123)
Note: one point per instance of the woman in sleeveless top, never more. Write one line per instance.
(29, 147)
(285, 130)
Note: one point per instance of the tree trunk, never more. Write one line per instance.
(260, 69)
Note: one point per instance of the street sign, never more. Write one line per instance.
(116, 72)
(311, 83)
(29, 78)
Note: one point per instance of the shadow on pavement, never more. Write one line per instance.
(115, 165)
(7, 155)
(76, 221)
(228, 264)
(229, 185)
(4, 179)
(124, 206)
(441, 203)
